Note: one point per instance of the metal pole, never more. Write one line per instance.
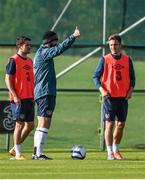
(77, 63)
(104, 26)
(97, 49)
(8, 136)
(60, 16)
(102, 124)
(132, 26)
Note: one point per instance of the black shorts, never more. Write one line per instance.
(115, 109)
(46, 106)
(24, 111)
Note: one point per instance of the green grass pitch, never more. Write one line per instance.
(94, 166)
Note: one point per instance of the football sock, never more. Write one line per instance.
(115, 147)
(35, 140)
(42, 134)
(17, 148)
(109, 149)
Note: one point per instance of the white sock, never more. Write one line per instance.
(109, 149)
(41, 137)
(17, 148)
(35, 139)
(36, 136)
(115, 147)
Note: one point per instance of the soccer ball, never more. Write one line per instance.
(78, 152)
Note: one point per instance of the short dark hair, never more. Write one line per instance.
(49, 36)
(21, 40)
(115, 37)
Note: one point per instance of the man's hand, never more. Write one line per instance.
(103, 92)
(76, 32)
(129, 94)
(17, 100)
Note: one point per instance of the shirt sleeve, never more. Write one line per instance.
(132, 74)
(11, 67)
(49, 53)
(98, 73)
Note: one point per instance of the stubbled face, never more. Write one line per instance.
(53, 43)
(114, 46)
(26, 47)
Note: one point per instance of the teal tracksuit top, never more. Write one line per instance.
(44, 70)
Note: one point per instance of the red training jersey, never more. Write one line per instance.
(116, 77)
(23, 79)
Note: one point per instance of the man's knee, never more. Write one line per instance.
(44, 122)
(19, 125)
(120, 125)
(30, 126)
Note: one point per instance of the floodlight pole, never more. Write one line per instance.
(61, 14)
(102, 124)
(104, 26)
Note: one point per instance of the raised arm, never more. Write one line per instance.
(52, 52)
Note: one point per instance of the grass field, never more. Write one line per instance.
(62, 167)
(76, 121)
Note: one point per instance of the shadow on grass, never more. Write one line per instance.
(139, 146)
